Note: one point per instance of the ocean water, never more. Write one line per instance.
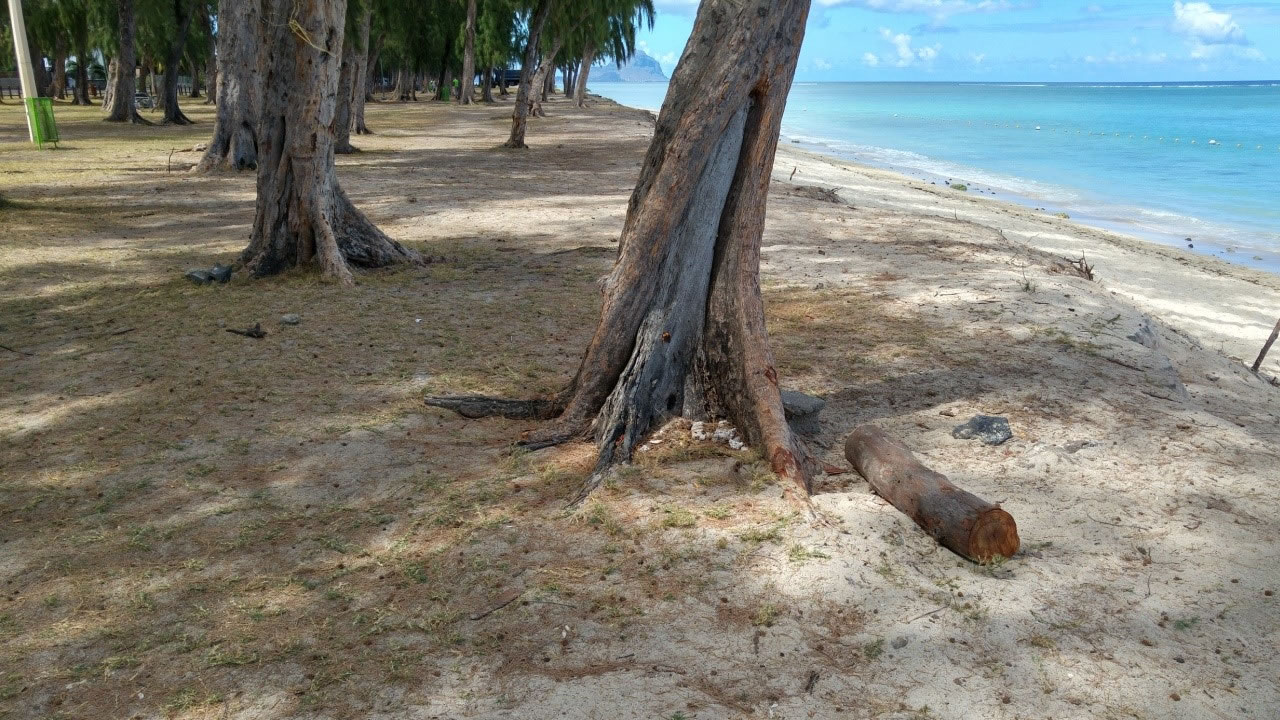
(1163, 161)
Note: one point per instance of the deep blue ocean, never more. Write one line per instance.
(1163, 161)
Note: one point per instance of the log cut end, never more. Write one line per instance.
(994, 534)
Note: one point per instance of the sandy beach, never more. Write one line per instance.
(196, 524)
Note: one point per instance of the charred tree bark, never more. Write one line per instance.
(682, 328)
(520, 115)
(303, 216)
(342, 104)
(961, 521)
(360, 80)
(121, 106)
(467, 86)
(240, 56)
(172, 113)
(580, 87)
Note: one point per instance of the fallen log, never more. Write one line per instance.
(961, 521)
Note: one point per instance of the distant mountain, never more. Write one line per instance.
(642, 68)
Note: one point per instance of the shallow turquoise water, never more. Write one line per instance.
(1161, 160)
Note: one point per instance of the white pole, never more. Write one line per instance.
(26, 76)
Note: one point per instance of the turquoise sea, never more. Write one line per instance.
(1163, 161)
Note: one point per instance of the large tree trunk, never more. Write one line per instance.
(58, 83)
(303, 216)
(682, 328)
(520, 115)
(467, 89)
(81, 94)
(486, 86)
(502, 83)
(580, 87)
(240, 60)
(375, 53)
(569, 73)
(121, 106)
(342, 104)
(43, 79)
(403, 85)
(172, 113)
(360, 80)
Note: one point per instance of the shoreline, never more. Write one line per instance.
(1226, 305)
(1093, 211)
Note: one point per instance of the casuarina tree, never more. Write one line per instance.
(303, 216)
(682, 327)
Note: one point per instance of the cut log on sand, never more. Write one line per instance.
(956, 518)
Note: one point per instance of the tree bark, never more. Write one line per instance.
(580, 87)
(468, 80)
(961, 521)
(234, 145)
(486, 87)
(403, 85)
(80, 96)
(121, 106)
(360, 81)
(302, 215)
(58, 83)
(172, 113)
(502, 84)
(372, 70)
(682, 328)
(520, 115)
(42, 77)
(546, 72)
(342, 103)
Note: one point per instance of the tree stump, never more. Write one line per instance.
(961, 521)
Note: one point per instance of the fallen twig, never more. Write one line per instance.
(20, 352)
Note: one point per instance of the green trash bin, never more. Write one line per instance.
(40, 115)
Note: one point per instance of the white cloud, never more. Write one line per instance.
(1124, 58)
(904, 55)
(821, 64)
(977, 58)
(1199, 21)
(1093, 9)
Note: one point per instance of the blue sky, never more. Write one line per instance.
(1018, 40)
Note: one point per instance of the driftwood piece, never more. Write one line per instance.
(959, 520)
(1263, 355)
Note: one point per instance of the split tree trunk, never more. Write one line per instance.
(240, 60)
(546, 73)
(502, 84)
(172, 113)
(520, 115)
(682, 328)
(959, 520)
(303, 216)
(121, 106)
(342, 104)
(580, 87)
(468, 80)
(360, 80)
